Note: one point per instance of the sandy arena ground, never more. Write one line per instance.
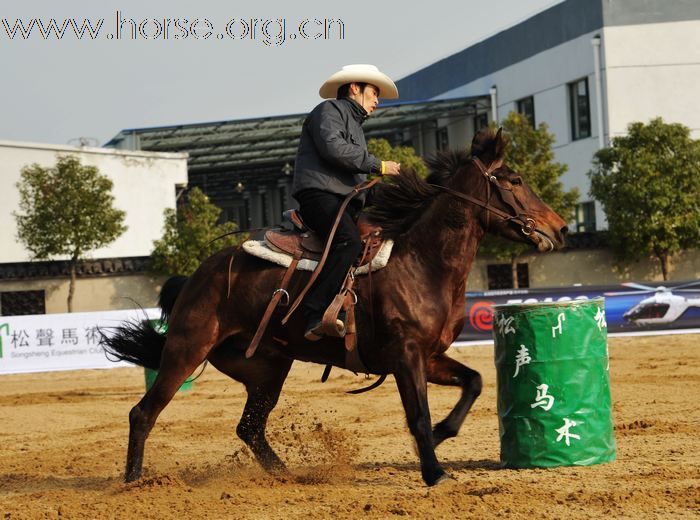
(64, 434)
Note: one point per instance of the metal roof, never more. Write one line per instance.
(248, 144)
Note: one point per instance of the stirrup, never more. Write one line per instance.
(318, 331)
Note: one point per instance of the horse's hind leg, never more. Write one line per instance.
(263, 377)
(177, 364)
(443, 370)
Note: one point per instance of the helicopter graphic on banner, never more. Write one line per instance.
(665, 306)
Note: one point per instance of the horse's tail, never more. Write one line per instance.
(168, 294)
(141, 342)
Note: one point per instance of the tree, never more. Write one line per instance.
(405, 155)
(648, 182)
(530, 153)
(190, 235)
(67, 210)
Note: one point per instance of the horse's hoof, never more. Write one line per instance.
(440, 478)
(278, 471)
(132, 476)
(444, 478)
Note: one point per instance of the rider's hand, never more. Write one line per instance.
(392, 168)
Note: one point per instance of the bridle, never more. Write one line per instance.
(519, 217)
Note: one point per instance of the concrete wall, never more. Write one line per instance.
(589, 267)
(144, 186)
(127, 291)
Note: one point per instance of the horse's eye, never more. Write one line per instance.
(516, 181)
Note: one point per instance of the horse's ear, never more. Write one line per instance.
(480, 144)
(499, 144)
(489, 145)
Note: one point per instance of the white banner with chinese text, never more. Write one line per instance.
(46, 342)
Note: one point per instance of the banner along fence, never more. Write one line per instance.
(629, 307)
(42, 343)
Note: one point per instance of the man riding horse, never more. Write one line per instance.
(333, 158)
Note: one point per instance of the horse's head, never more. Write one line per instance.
(512, 209)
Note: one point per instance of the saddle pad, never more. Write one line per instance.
(260, 249)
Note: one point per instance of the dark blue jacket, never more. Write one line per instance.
(332, 154)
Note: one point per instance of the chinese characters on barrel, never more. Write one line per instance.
(564, 431)
(560, 319)
(522, 358)
(543, 399)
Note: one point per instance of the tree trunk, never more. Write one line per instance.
(71, 286)
(665, 264)
(514, 271)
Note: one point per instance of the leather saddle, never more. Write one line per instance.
(302, 239)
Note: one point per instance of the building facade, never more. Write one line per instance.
(586, 68)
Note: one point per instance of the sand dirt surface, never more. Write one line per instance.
(64, 436)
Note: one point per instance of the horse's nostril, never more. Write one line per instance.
(564, 231)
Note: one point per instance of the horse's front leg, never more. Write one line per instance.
(413, 387)
(443, 370)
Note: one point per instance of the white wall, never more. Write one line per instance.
(653, 70)
(144, 185)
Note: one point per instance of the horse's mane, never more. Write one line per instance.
(396, 205)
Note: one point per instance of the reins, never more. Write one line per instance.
(527, 224)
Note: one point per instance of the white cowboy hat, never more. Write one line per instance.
(359, 73)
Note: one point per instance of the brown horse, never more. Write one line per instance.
(415, 311)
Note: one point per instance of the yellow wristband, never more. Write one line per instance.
(383, 168)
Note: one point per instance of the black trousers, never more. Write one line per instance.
(319, 210)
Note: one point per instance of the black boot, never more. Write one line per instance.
(314, 327)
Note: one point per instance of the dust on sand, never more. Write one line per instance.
(63, 438)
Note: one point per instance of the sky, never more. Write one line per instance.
(210, 61)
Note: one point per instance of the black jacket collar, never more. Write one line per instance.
(357, 110)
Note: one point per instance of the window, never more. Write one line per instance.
(20, 303)
(526, 107)
(481, 121)
(585, 217)
(647, 311)
(580, 110)
(499, 276)
(442, 141)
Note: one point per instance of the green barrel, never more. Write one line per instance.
(553, 384)
(151, 374)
